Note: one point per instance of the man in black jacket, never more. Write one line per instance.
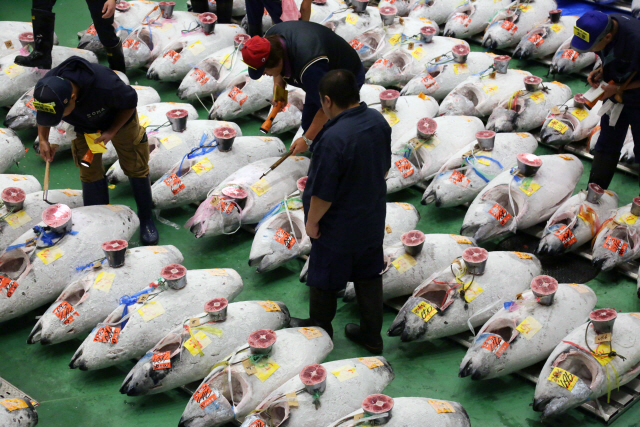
(102, 109)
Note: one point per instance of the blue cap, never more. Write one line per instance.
(589, 30)
(50, 97)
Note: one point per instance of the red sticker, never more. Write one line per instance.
(429, 82)
(405, 168)
(161, 360)
(566, 236)
(65, 312)
(357, 45)
(382, 63)
(92, 30)
(257, 423)
(459, 179)
(615, 245)
(30, 105)
(285, 238)
(463, 19)
(536, 39)
(495, 345)
(107, 335)
(173, 55)
(204, 396)
(199, 76)
(237, 95)
(224, 206)
(509, 26)
(9, 285)
(131, 44)
(501, 349)
(570, 54)
(174, 183)
(500, 213)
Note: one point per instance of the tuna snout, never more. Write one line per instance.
(153, 75)
(35, 335)
(554, 69)
(36, 147)
(182, 93)
(521, 53)
(449, 33)
(489, 43)
(601, 263)
(9, 121)
(125, 387)
(429, 198)
(539, 404)
(466, 370)
(189, 422)
(83, 44)
(75, 362)
(396, 329)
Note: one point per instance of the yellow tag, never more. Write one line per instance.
(441, 407)
(13, 71)
(144, 120)
(425, 20)
(558, 125)
(418, 53)
(523, 255)
(261, 187)
(529, 187)
(18, 219)
(310, 333)
(563, 378)
(224, 62)
(49, 255)
(217, 272)
(406, 206)
(491, 90)
(95, 148)
(395, 39)
(460, 68)
(203, 166)
(351, 18)
(423, 97)
(104, 281)
(424, 310)
(483, 161)
(391, 117)
(171, 141)
(524, 8)
(196, 345)
(603, 338)
(461, 239)
(557, 27)
(601, 353)
(70, 193)
(580, 288)
(151, 310)
(529, 327)
(156, 249)
(17, 177)
(166, 26)
(565, 157)
(636, 315)
(113, 208)
(523, 135)
(13, 404)
(580, 113)
(472, 292)
(629, 218)
(581, 33)
(265, 371)
(269, 306)
(371, 362)
(292, 399)
(196, 48)
(345, 373)
(537, 97)
(404, 263)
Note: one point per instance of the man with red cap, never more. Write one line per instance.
(615, 38)
(300, 53)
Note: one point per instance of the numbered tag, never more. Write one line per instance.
(352, 19)
(603, 338)
(558, 125)
(13, 71)
(528, 186)
(104, 281)
(13, 404)
(395, 39)
(580, 113)
(269, 306)
(199, 76)
(557, 27)
(495, 345)
(172, 56)
(529, 327)
(424, 310)
(418, 53)
(405, 168)
(356, 44)
(217, 272)
(203, 166)
(284, 238)
(580, 288)
(49, 255)
(382, 63)
(563, 378)
(570, 54)
(566, 236)
(391, 117)
(491, 90)
(463, 19)
(430, 83)
(131, 44)
(196, 48)
(65, 312)
(500, 213)
(156, 249)
(18, 219)
(536, 39)
(461, 239)
(523, 255)
(602, 353)
(197, 343)
(459, 179)
(161, 360)
(345, 373)
(204, 396)
(441, 407)
(404, 263)
(237, 95)
(107, 335)
(265, 371)
(224, 206)
(151, 310)
(471, 292)
(537, 97)
(310, 333)
(581, 33)
(261, 187)
(9, 285)
(371, 362)
(629, 218)
(144, 120)
(615, 245)
(174, 183)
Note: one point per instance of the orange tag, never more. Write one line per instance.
(371, 362)
(404, 167)
(356, 44)
(107, 335)
(225, 206)
(131, 44)
(430, 83)
(92, 30)
(566, 236)
(9, 285)
(173, 56)
(269, 306)
(285, 238)
(382, 63)
(509, 26)
(459, 179)
(237, 95)
(174, 183)
(161, 360)
(570, 54)
(65, 312)
(500, 213)
(30, 105)
(441, 407)
(310, 333)
(536, 39)
(199, 76)
(257, 423)
(495, 345)
(615, 245)
(204, 396)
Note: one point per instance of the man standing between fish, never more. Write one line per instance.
(345, 208)
(43, 19)
(615, 38)
(300, 53)
(102, 109)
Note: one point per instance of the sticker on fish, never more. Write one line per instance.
(65, 312)
(563, 378)
(217, 272)
(131, 44)
(404, 263)
(599, 339)
(580, 113)
(529, 327)
(345, 373)
(391, 117)
(269, 306)
(204, 396)
(199, 76)
(580, 288)
(615, 245)
(104, 281)
(570, 54)
(459, 179)
(491, 90)
(471, 291)
(430, 83)
(371, 362)
(528, 186)
(261, 187)
(203, 166)
(174, 183)
(161, 360)
(13, 71)
(196, 48)
(424, 310)
(405, 206)
(13, 404)
(9, 285)
(151, 310)
(441, 407)
(558, 125)
(310, 333)
(395, 39)
(107, 335)
(418, 53)
(352, 19)
(500, 213)
(197, 343)
(173, 56)
(537, 97)
(285, 238)
(509, 26)
(237, 95)
(461, 239)
(565, 235)
(536, 39)
(405, 168)
(18, 219)
(495, 345)
(49, 255)
(629, 218)
(171, 141)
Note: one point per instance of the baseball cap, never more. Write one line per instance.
(255, 53)
(50, 97)
(589, 30)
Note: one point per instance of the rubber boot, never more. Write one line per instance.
(603, 167)
(367, 334)
(255, 30)
(199, 6)
(224, 11)
(142, 194)
(115, 57)
(95, 193)
(322, 309)
(43, 25)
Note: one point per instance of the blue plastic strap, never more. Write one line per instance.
(270, 214)
(480, 174)
(84, 267)
(129, 300)
(202, 149)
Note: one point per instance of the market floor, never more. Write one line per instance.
(70, 398)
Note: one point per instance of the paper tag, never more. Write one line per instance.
(460, 68)
(9, 285)
(430, 83)
(292, 399)
(405, 167)
(264, 371)
(629, 218)
(537, 97)
(566, 236)
(49, 255)
(200, 76)
(161, 360)
(95, 147)
(557, 27)
(536, 39)
(495, 345)
(570, 54)
(18, 219)
(441, 407)
(603, 338)
(459, 179)
(156, 249)
(70, 193)
(197, 343)
(528, 186)
(356, 44)
(310, 333)
(142, 298)
(418, 53)
(237, 95)
(615, 245)
(17, 178)
(601, 353)
(491, 90)
(203, 166)
(406, 206)
(500, 213)
(249, 368)
(151, 310)
(461, 239)
(391, 117)
(174, 183)
(284, 238)
(217, 272)
(171, 141)
(509, 26)
(558, 125)
(13, 71)
(388, 229)
(404, 263)
(104, 281)
(166, 26)
(581, 33)
(565, 157)
(529, 327)
(471, 292)
(580, 113)
(580, 288)
(563, 378)
(345, 373)
(395, 39)
(107, 335)
(424, 310)
(523, 255)
(13, 404)
(261, 187)
(204, 396)
(172, 56)
(65, 312)
(269, 306)
(352, 19)
(371, 362)
(196, 48)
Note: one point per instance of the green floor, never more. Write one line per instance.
(70, 398)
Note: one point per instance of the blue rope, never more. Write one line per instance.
(46, 237)
(128, 30)
(477, 171)
(201, 150)
(84, 267)
(129, 300)
(270, 214)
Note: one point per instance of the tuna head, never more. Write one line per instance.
(203, 79)
(527, 45)
(90, 40)
(459, 21)
(480, 363)
(403, 173)
(445, 193)
(406, 325)
(558, 129)
(613, 247)
(219, 411)
(502, 120)
(499, 31)
(390, 69)
(137, 49)
(462, 101)
(217, 215)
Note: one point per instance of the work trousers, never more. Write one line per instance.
(255, 11)
(612, 137)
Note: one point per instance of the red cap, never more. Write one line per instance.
(255, 53)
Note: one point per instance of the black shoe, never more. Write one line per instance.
(95, 193)
(224, 11)
(43, 25)
(352, 331)
(142, 194)
(115, 57)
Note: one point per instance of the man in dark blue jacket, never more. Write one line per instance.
(345, 207)
(102, 109)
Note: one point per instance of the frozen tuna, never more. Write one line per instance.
(569, 123)
(11, 148)
(137, 324)
(27, 183)
(545, 39)
(243, 99)
(407, 112)
(16, 412)
(348, 24)
(617, 240)
(471, 18)
(567, 60)
(436, 10)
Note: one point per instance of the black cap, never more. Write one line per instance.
(50, 97)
